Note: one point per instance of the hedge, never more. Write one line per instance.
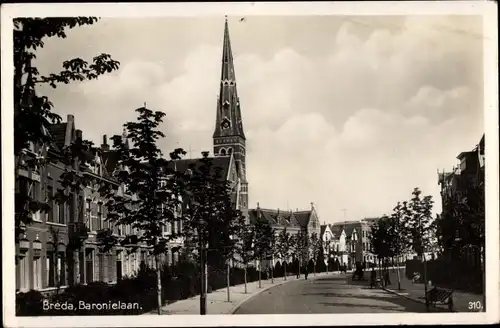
(458, 275)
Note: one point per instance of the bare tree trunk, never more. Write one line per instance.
(272, 273)
(245, 271)
(260, 273)
(203, 285)
(158, 282)
(228, 276)
(425, 282)
(399, 275)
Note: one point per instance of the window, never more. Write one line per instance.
(50, 195)
(61, 269)
(24, 282)
(102, 273)
(89, 265)
(88, 219)
(118, 265)
(223, 152)
(133, 263)
(37, 273)
(127, 265)
(100, 220)
(230, 151)
(61, 210)
(50, 270)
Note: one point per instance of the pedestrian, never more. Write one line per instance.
(306, 273)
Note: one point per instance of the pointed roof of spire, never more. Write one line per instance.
(227, 56)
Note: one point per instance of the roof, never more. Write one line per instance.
(110, 160)
(322, 229)
(218, 162)
(336, 230)
(347, 226)
(274, 217)
(303, 217)
(481, 146)
(464, 154)
(58, 133)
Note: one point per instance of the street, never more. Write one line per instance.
(332, 294)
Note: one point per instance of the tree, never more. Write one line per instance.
(299, 246)
(212, 222)
(315, 249)
(284, 247)
(263, 242)
(154, 189)
(32, 113)
(244, 248)
(273, 251)
(398, 243)
(419, 227)
(381, 239)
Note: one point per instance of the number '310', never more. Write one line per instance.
(475, 305)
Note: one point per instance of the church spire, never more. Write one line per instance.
(228, 118)
(227, 57)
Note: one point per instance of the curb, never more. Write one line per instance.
(237, 307)
(405, 296)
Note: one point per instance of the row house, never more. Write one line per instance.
(470, 171)
(351, 243)
(42, 247)
(46, 253)
(306, 221)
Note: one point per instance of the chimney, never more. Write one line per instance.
(105, 146)
(78, 133)
(258, 205)
(70, 118)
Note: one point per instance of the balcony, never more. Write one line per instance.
(77, 230)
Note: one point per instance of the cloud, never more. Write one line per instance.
(355, 120)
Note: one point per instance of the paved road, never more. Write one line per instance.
(333, 294)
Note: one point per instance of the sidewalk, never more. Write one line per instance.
(416, 292)
(217, 299)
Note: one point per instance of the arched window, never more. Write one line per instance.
(222, 152)
(230, 151)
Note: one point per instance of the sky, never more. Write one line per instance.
(346, 112)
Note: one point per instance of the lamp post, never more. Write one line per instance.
(228, 272)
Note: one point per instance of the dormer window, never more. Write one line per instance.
(226, 104)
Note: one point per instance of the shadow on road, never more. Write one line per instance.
(368, 307)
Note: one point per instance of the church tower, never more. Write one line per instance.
(228, 135)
